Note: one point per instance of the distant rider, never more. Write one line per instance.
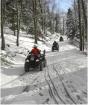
(55, 43)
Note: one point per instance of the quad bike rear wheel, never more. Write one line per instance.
(26, 67)
(45, 63)
(41, 66)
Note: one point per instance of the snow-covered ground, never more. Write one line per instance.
(63, 81)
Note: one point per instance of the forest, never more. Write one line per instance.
(37, 16)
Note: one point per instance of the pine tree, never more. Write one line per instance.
(70, 25)
(12, 16)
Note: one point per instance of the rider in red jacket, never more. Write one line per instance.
(35, 51)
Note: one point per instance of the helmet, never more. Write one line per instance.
(35, 46)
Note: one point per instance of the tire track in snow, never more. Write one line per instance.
(50, 89)
(65, 88)
(72, 97)
(26, 89)
(53, 89)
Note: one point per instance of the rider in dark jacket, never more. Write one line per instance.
(55, 43)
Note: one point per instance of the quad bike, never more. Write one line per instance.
(61, 39)
(54, 48)
(32, 62)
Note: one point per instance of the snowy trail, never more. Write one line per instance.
(52, 89)
(58, 89)
(52, 84)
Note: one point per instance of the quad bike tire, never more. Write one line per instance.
(52, 50)
(45, 63)
(26, 67)
(41, 66)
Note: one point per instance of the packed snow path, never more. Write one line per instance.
(63, 81)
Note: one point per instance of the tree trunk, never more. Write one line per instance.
(80, 27)
(75, 13)
(41, 14)
(18, 23)
(44, 19)
(63, 25)
(14, 25)
(2, 23)
(84, 14)
(56, 25)
(83, 33)
(84, 18)
(35, 19)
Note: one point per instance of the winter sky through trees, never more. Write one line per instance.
(63, 5)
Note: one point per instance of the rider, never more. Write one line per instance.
(35, 51)
(55, 43)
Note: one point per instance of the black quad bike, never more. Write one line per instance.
(55, 47)
(32, 62)
(61, 39)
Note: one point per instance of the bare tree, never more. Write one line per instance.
(84, 13)
(80, 24)
(35, 18)
(2, 24)
(41, 9)
(17, 42)
(19, 12)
